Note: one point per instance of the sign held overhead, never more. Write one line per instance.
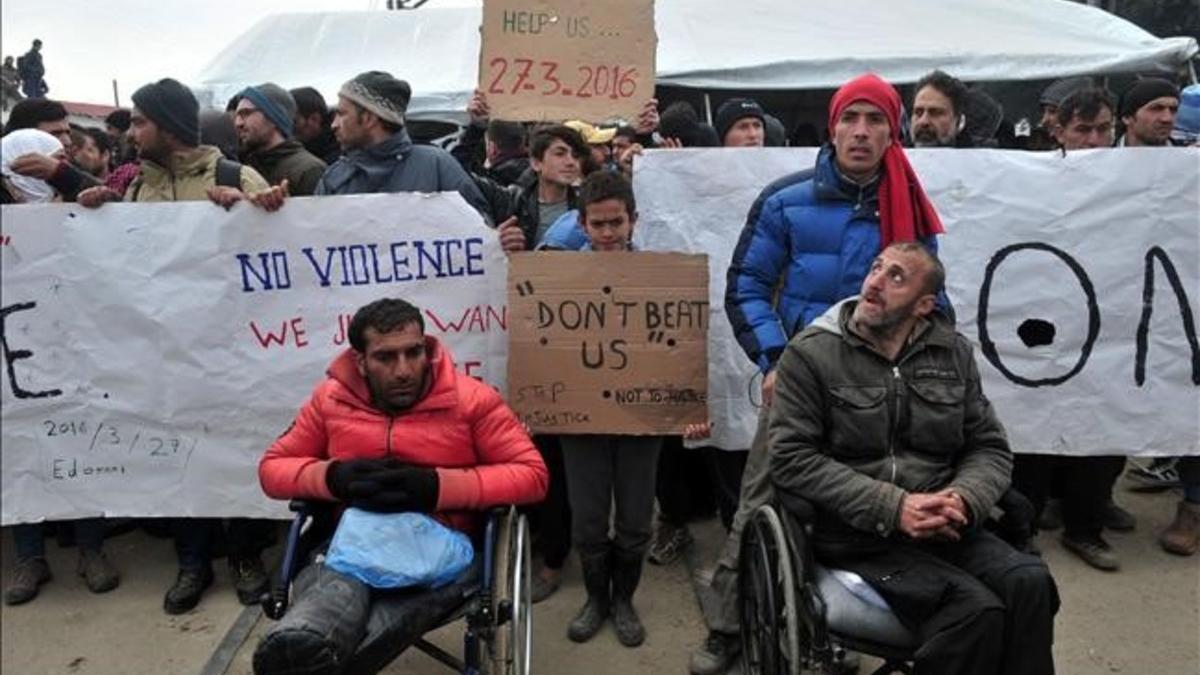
(567, 59)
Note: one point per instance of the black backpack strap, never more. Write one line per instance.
(229, 173)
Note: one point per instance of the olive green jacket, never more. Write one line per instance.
(187, 178)
(853, 432)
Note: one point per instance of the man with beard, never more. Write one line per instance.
(263, 120)
(379, 154)
(808, 242)
(393, 428)
(938, 112)
(880, 421)
(1148, 112)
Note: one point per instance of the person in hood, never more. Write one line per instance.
(902, 483)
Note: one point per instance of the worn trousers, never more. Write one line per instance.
(194, 539)
(978, 605)
(755, 491)
(30, 538)
(684, 485)
(1085, 484)
(607, 469)
(553, 514)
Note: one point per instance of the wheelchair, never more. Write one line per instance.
(799, 616)
(497, 605)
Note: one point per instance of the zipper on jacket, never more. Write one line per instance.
(391, 420)
(898, 384)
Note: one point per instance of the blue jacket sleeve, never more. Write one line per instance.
(754, 273)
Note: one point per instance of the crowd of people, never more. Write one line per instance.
(835, 292)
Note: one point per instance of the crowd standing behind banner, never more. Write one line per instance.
(787, 272)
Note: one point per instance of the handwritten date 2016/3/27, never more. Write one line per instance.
(512, 76)
(105, 435)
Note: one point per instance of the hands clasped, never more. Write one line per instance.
(385, 485)
(933, 515)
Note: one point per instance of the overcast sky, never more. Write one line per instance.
(88, 43)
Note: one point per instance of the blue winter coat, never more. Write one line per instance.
(808, 242)
(397, 165)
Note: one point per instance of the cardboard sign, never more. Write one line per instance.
(613, 343)
(567, 59)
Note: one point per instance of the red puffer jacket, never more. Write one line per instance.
(462, 427)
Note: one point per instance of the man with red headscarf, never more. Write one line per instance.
(808, 242)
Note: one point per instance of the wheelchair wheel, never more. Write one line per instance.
(512, 640)
(767, 598)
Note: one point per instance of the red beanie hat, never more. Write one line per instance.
(905, 213)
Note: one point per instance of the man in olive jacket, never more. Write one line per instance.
(264, 123)
(879, 420)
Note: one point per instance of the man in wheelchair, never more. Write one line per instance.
(879, 421)
(392, 428)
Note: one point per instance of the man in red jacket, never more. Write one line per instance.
(392, 428)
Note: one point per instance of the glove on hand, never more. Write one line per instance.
(408, 488)
(356, 478)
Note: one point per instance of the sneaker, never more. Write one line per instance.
(1118, 519)
(97, 572)
(669, 543)
(249, 579)
(1182, 537)
(1093, 551)
(28, 576)
(185, 594)
(716, 654)
(1160, 474)
(1051, 518)
(545, 583)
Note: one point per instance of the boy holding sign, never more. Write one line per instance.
(606, 468)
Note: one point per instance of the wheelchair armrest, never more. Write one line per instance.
(800, 508)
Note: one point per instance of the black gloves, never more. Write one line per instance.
(383, 485)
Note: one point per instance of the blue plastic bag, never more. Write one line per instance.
(398, 550)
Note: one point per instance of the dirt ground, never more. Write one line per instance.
(1144, 619)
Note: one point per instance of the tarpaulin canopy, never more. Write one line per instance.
(713, 44)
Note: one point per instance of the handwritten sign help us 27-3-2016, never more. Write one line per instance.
(613, 343)
(567, 59)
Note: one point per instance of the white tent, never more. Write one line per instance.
(713, 44)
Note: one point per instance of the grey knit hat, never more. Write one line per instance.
(380, 93)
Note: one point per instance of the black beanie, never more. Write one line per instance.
(172, 107)
(733, 110)
(1144, 91)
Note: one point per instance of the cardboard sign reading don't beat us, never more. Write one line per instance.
(567, 59)
(613, 343)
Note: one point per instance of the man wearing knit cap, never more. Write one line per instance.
(379, 155)
(175, 167)
(1148, 111)
(263, 119)
(165, 125)
(740, 123)
(808, 242)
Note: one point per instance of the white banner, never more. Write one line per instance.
(152, 352)
(1088, 267)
